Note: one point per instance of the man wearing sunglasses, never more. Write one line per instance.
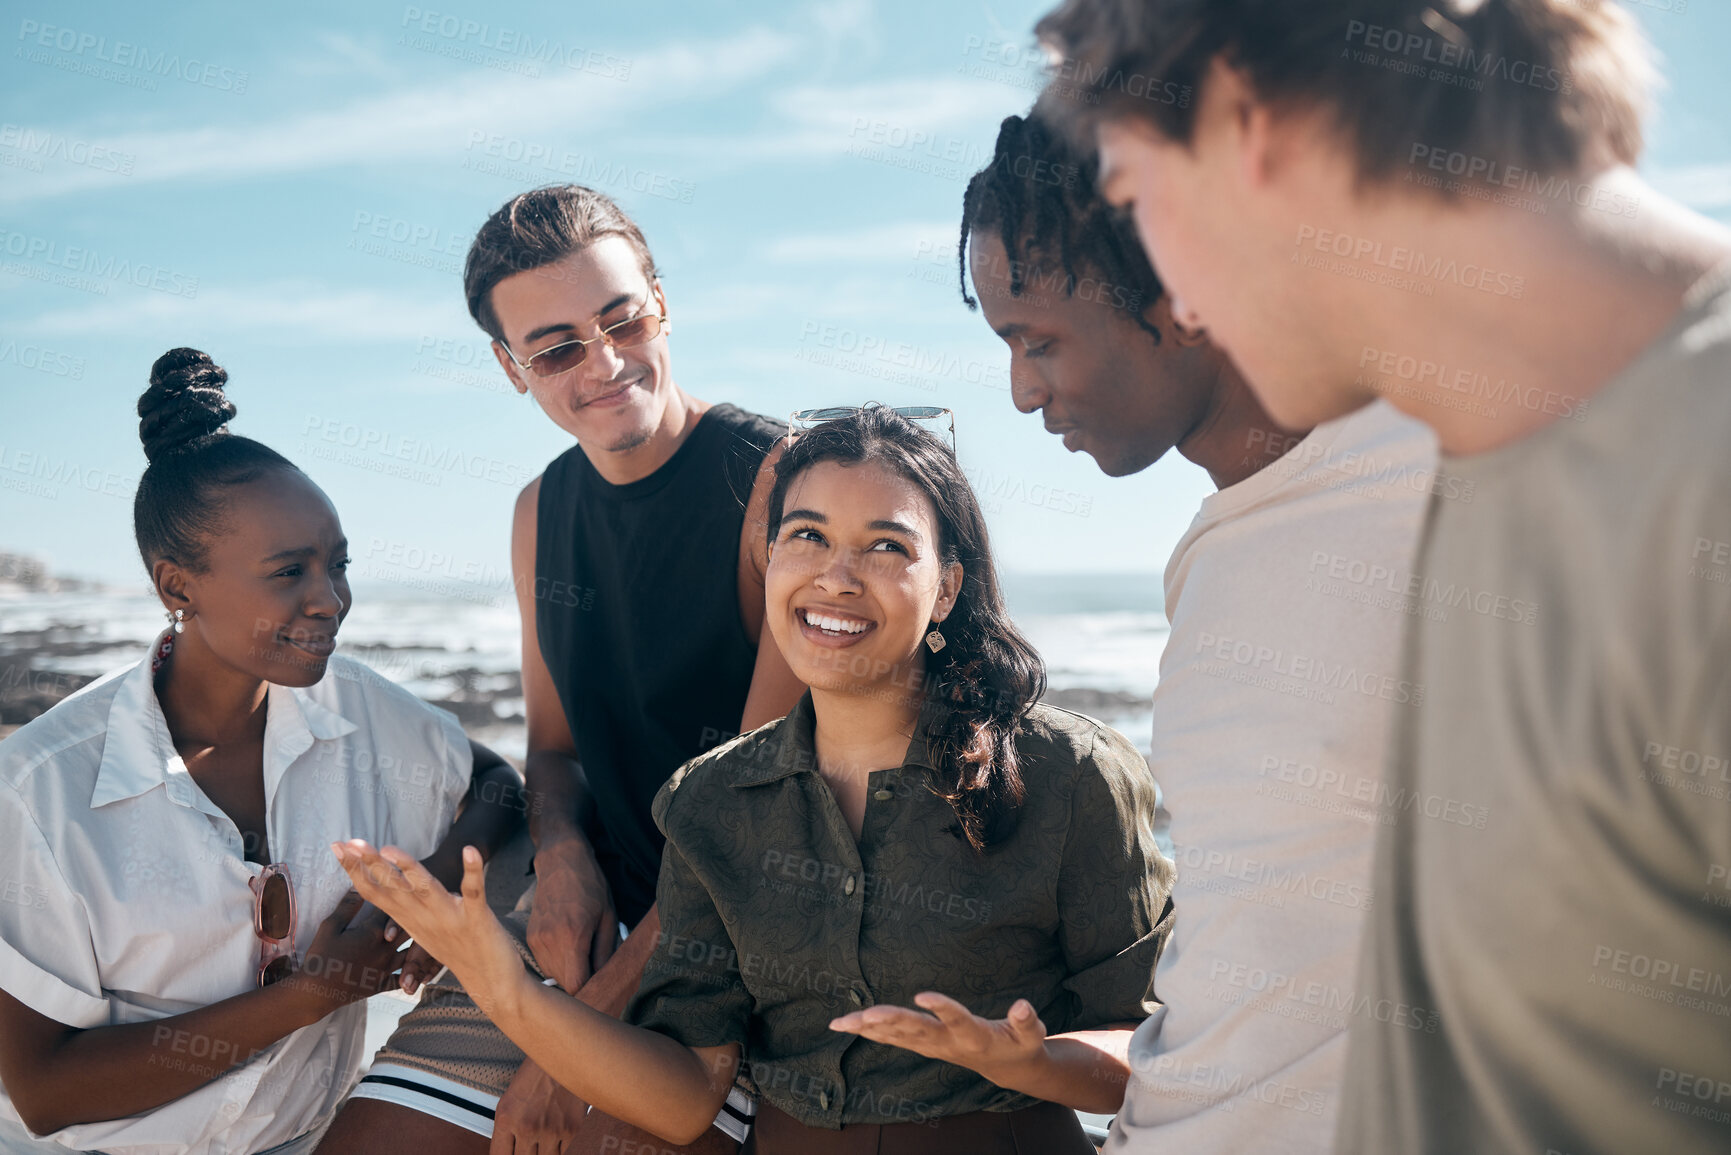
(638, 557)
(1277, 682)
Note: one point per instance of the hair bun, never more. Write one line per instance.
(185, 403)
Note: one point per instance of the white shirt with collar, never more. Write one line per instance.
(124, 891)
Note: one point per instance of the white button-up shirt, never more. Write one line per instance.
(124, 892)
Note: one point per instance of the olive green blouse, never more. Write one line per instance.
(774, 920)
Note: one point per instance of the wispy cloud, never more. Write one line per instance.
(939, 117)
(425, 121)
(899, 242)
(296, 312)
(1703, 187)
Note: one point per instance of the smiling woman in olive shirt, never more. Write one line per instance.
(917, 831)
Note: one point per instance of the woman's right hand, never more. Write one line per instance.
(347, 963)
(460, 930)
(573, 929)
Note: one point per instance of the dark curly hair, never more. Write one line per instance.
(1058, 224)
(989, 676)
(183, 422)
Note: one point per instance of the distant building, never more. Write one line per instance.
(20, 571)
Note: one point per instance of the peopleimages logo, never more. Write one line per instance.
(46, 145)
(1460, 64)
(102, 269)
(87, 48)
(1400, 259)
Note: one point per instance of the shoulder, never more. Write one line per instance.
(1098, 761)
(1694, 387)
(363, 695)
(695, 790)
(525, 518)
(755, 428)
(1063, 736)
(528, 501)
(1364, 445)
(563, 474)
(70, 735)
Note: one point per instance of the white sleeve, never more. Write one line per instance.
(47, 959)
(434, 780)
(458, 765)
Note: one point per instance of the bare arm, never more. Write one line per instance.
(489, 816)
(775, 689)
(641, 1077)
(559, 798)
(58, 1075)
(1083, 1070)
(572, 927)
(647, 1079)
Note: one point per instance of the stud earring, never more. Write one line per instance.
(179, 620)
(934, 640)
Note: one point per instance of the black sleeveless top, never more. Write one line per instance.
(637, 613)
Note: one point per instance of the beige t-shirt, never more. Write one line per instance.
(1577, 949)
(1278, 687)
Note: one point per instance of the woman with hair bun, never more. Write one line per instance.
(181, 967)
(920, 913)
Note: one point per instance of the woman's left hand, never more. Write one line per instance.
(461, 930)
(1000, 1049)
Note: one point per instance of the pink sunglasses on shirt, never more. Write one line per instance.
(273, 920)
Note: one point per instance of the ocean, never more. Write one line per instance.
(457, 646)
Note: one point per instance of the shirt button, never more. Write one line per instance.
(858, 999)
(823, 1100)
(847, 887)
(884, 795)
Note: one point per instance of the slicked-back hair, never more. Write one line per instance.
(538, 228)
(1556, 87)
(1055, 225)
(183, 422)
(988, 676)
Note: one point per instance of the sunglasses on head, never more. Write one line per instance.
(806, 418)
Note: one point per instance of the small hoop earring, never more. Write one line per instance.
(934, 640)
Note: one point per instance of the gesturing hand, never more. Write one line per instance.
(460, 930)
(1000, 1049)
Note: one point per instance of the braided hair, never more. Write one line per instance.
(1054, 223)
(183, 422)
(988, 676)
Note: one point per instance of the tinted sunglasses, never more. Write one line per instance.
(805, 418)
(567, 355)
(273, 921)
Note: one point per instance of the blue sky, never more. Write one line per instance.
(292, 189)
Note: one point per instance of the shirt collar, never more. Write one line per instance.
(794, 748)
(138, 753)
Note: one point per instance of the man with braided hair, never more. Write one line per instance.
(1267, 753)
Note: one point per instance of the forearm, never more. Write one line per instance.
(112, 1072)
(636, 1075)
(558, 797)
(490, 816)
(611, 987)
(1082, 1070)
